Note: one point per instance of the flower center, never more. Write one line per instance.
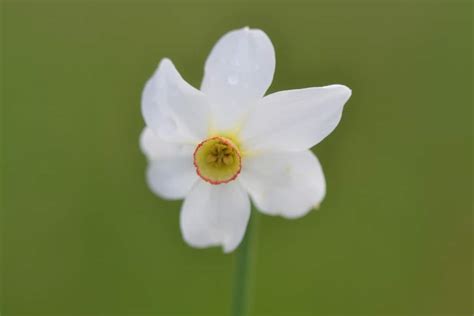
(217, 160)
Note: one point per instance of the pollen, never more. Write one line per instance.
(217, 160)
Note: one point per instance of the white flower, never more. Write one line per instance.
(217, 146)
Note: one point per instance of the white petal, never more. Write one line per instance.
(171, 178)
(170, 173)
(154, 147)
(174, 109)
(215, 215)
(238, 71)
(295, 119)
(287, 184)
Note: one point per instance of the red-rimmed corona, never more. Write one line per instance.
(217, 160)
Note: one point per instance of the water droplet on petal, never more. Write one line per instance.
(235, 62)
(233, 80)
(168, 125)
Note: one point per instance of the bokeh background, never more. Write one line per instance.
(83, 235)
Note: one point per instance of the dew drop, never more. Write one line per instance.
(168, 125)
(235, 62)
(233, 80)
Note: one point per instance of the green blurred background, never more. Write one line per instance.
(83, 235)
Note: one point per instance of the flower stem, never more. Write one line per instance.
(245, 270)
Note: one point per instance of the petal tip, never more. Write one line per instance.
(145, 134)
(341, 90)
(165, 63)
(345, 90)
(227, 249)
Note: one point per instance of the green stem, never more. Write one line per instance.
(245, 270)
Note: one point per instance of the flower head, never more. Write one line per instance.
(219, 146)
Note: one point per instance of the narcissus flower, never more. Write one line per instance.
(219, 146)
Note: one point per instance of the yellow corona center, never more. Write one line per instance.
(217, 160)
